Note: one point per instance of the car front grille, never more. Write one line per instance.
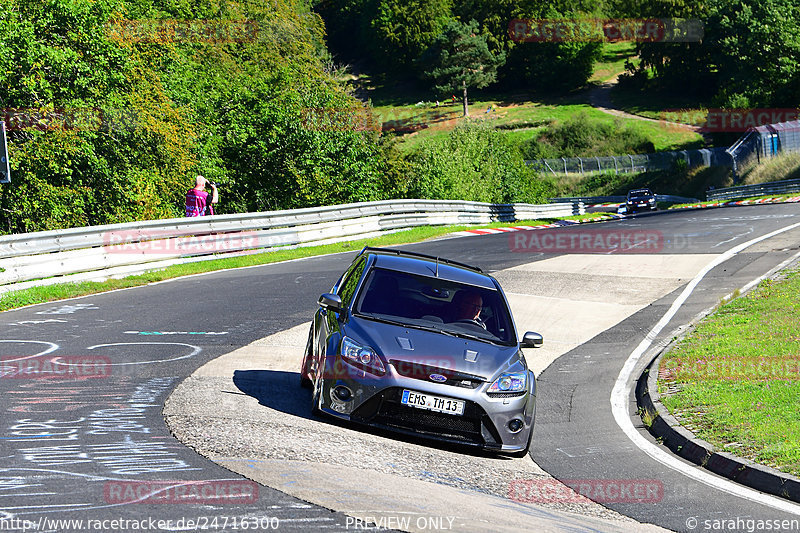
(423, 372)
(384, 409)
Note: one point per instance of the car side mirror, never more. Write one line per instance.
(531, 340)
(330, 301)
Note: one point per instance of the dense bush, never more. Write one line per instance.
(581, 136)
(474, 162)
(156, 108)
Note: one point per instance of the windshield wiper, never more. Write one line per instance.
(432, 329)
(471, 336)
(492, 339)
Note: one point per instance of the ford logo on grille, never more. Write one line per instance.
(438, 378)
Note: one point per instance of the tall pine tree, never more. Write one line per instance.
(460, 58)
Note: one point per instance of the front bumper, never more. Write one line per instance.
(375, 401)
(636, 208)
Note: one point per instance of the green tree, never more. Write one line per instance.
(460, 59)
(474, 162)
(145, 111)
(391, 34)
(538, 66)
(403, 29)
(749, 55)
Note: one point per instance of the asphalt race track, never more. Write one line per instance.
(85, 438)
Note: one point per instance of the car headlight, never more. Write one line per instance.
(361, 356)
(510, 382)
(652, 200)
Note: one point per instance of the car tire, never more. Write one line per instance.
(305, 382)
(315, 398)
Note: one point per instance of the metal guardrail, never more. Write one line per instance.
(759, 189)
(591, 200)
(32, 256)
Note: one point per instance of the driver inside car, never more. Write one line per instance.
(467, 305)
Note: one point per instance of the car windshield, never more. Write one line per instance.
(436, 304)
(639, 194)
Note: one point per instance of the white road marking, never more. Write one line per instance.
(67, 309)
(195, 350)
(622, 390)
(53, 347)
(46, 321)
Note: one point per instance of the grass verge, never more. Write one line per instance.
(781, 167)
(613, 59)
(680, 108)
(734, 381)
(520, 120)
(36, 295)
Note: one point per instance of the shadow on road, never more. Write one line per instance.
(277, 390)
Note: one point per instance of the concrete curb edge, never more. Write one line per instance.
(683, 443)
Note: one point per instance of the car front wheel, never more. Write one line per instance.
(315, 398)
(305, 382)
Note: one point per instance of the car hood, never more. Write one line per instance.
(419, 347)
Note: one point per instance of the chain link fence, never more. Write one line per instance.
(634, 162)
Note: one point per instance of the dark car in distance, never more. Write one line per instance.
(423, 346)
(640, 200)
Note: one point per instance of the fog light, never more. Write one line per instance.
(343, 393)
(515, 425)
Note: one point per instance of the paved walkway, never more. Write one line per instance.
(600, 98)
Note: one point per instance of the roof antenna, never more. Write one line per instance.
(437, 267)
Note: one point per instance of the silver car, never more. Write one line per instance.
(423, 346)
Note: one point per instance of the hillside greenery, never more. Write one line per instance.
(749, 54)
(113, 106)
(391, 38)
(112, 111)
(583, 136)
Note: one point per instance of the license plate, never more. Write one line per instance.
(432, 403)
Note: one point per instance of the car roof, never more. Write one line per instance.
(424, 266)
(648, 191)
